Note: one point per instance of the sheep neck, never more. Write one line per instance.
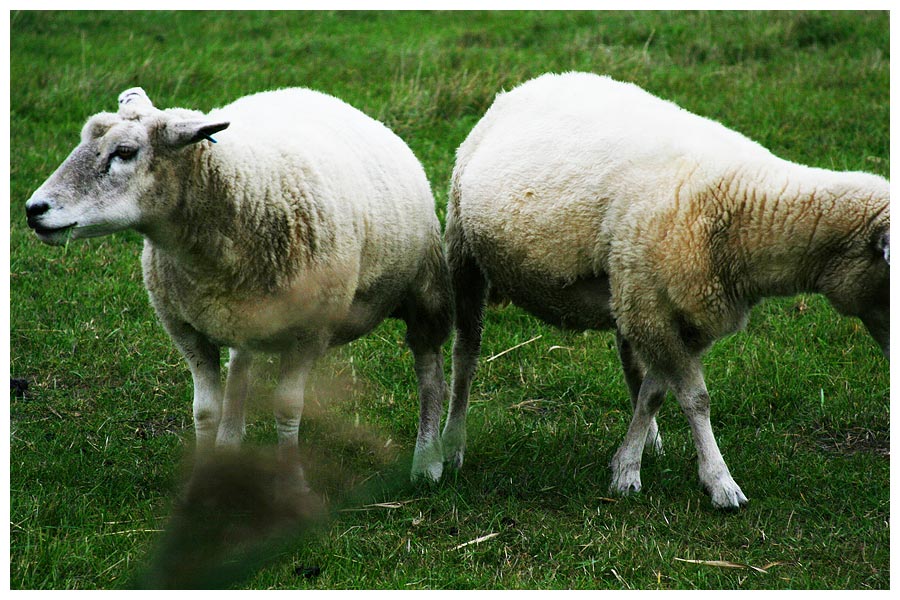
(782, 226)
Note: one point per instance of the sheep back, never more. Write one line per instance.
(579, 183)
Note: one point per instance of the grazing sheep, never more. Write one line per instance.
(593, 204)
(305, 226)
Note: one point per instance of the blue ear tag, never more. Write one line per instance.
(210, 138)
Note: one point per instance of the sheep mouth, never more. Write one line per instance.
(53, 235)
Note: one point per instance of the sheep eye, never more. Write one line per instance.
(125, 152)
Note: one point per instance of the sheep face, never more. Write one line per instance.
(96, 190)
(876, 298)
(857, 283)
(107, 183)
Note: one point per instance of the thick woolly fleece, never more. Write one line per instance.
(594, 204)
(302, 227)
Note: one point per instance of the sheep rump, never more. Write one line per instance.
(593, 204)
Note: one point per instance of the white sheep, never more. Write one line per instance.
(305, 226)
(593, 204)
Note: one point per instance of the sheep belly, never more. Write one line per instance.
(579, 305)
(265, 323)
(548, 257)
(318, 307)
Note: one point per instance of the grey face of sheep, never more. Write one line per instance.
(876, 316)
(858, 284)
(107, 182)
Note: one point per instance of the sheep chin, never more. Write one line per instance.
(57, 236)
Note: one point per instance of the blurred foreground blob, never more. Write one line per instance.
(236, 513)
(241, 510)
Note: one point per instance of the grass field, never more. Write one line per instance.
(800, 399)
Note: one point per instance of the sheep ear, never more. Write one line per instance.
(883, 245)
(183, 133)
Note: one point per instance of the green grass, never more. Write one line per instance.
(800, 399)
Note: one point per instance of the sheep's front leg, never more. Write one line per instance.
(714, 474)
(231, 426)
(288, 402)
(202, 357)
(626, 464)
(288, 406)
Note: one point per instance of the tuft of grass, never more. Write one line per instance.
(100, 437)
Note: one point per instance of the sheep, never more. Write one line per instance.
(593, 204)
(302, 227)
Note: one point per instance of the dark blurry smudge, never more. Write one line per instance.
(235, 514)
(239, 511)
(307, 572)
(18, 387)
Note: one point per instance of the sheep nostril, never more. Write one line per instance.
(36, 208)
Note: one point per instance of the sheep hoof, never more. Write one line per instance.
(454, 443)
(454, 461)
(428, 463)
(728, 496)
(625, 482)
(626, 488)
(429, 474)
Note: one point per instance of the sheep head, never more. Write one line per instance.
(876, 314)
(106, 183)
(856, 279)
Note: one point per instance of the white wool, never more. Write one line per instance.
(594, 204)
(286, 222)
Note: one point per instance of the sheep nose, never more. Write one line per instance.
(35, 208)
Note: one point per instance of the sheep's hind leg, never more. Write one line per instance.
(428, 317)
(634, 377)
(626, 463)
(231, 426)
(714, 474)
(428, 463)
(469, 293)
